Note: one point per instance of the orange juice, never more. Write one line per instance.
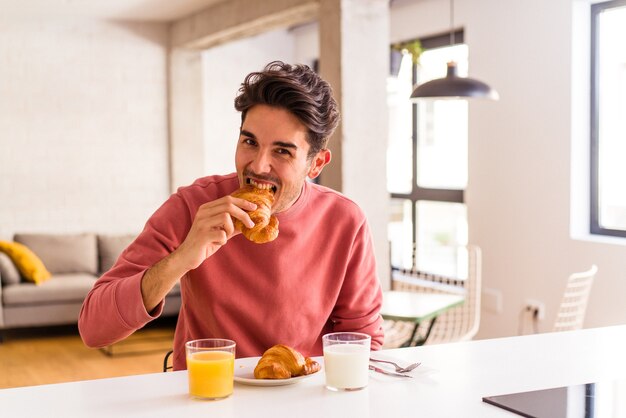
(211, 374)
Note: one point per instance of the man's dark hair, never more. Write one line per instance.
(298, 89)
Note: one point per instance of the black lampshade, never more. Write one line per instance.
(452, 87)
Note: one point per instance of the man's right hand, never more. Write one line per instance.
(212, 227)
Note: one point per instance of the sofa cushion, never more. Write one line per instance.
(64, 253)
(26, 261)
(110, 247)
(8, 271)
(62, 288)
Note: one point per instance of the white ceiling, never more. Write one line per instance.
(147, 10)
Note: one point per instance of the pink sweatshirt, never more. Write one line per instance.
(318, 276)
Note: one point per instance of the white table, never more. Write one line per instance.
(417, 307)
(452, 381)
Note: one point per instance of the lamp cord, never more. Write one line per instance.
(451, 22)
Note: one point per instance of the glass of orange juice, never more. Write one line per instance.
(211, 367)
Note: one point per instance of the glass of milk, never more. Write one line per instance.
(346, 360)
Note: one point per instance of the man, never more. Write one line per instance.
(317, 276)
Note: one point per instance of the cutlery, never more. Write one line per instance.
(399, 369)
(379, 370)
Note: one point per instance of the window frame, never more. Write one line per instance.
(594, 146)
(423, 193)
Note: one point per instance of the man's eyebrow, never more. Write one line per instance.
(247, 133)
(282, 144)
(285, 144)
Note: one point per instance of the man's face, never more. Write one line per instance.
(272, 150)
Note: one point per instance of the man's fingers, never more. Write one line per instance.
(240, 210)
(243, 203)
(228, 227)
(244, 217)
(214, 221)
(221, 237)
(235, 207)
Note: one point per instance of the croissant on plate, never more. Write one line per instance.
(282, 362)
(265, 224)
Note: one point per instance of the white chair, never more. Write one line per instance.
(571, 313)
(457, 324)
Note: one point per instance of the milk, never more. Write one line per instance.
(346, 366)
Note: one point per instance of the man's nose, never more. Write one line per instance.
(261, 163)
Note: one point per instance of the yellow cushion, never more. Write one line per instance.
(29, 265)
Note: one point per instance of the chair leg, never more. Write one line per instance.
(167, 356)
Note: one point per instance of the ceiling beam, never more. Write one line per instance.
(235, 19)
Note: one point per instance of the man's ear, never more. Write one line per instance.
(318, 162)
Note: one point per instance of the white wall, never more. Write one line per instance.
(520, 170)
(225, 68)
(306, 43)
(83, 126)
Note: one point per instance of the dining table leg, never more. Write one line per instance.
(422, 341)
(409, 342)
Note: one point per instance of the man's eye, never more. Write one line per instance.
(249, 141)
(283, 151)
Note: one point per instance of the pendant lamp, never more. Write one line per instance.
(452, 86)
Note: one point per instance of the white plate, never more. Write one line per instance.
(244, 373)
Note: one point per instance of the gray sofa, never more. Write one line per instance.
(75, 261)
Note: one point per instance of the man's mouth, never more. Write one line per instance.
(261, 185)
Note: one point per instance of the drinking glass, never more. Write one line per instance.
(211, 367)
(346, 360)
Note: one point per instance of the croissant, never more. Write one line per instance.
(265, 224)
(282, 362)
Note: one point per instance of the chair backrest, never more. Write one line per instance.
(457, 324)
(571, 313)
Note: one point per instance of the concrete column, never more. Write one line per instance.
(354, 58)
(186, 127)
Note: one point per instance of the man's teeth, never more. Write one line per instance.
(264, 186)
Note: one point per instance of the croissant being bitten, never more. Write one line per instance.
(265, 224)
(282, 362)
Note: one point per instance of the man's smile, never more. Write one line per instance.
(260, 184)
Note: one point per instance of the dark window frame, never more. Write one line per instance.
(594, 150)
(422, 193)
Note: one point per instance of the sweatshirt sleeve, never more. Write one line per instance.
(360, 300)
(114, 308)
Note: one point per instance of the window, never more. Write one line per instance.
(608, 118)
(427, 165)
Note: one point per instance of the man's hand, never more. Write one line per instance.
(212, 227)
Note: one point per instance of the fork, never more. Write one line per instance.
(387, 372)
(399, 369)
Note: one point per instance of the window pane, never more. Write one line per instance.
(442, 125)
(611, 120)
(400, 148)
(441, 228)
(400, 233)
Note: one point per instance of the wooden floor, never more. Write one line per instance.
(57, 354)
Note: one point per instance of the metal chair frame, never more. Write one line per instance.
(166, 366)
(458, 324)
